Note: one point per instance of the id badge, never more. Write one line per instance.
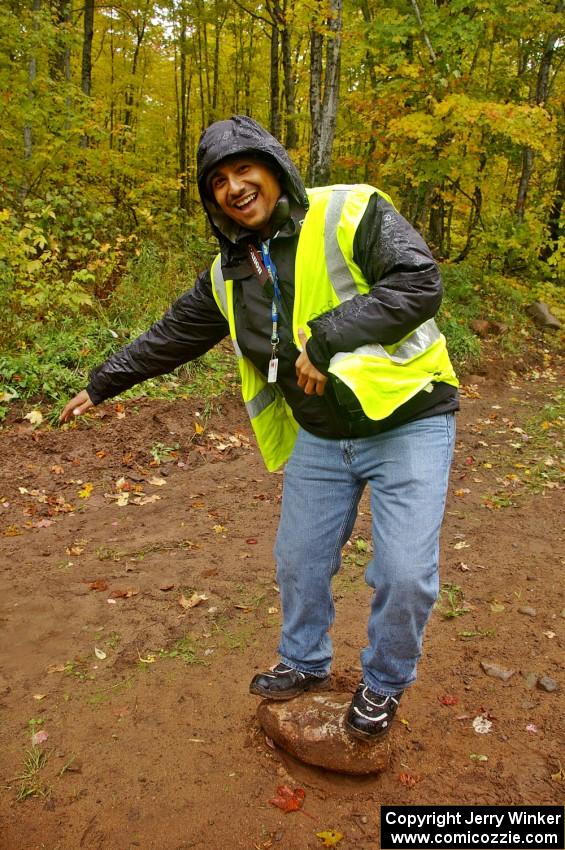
(273, 369)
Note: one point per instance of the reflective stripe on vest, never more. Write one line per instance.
(383, 377)
(256, 405)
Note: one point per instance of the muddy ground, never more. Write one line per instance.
(109, 528)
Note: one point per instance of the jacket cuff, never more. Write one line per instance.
(95, 396)
(318, 355)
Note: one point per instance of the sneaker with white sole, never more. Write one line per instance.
(370, 714)
(284, 682)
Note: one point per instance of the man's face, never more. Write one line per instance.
(246, 191)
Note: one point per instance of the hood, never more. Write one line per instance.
(243, 135)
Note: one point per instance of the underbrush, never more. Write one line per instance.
(52, 359)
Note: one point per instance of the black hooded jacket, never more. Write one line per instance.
(405, 291)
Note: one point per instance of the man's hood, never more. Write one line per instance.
(242, 135)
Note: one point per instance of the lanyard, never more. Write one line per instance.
(277, 300)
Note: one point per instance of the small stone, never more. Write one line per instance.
(311, 728)
(542, 317)
(562, 614)
(527, 609)
(531, 679)
(497, 672)
(546, 683)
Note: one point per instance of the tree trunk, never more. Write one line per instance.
(88, 35)
(28, 130)
(183, 111)
(274, 109)
(542, 89)
(60, 58)
(323, 109)
(86, 64)
(555, 231)
(291, 136)
(129, 96)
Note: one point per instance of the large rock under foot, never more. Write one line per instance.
(311, 728)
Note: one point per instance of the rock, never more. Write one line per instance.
(527, 609)
(481, 327)
(311, 728)
(497, 672)
(542, 317)
(546, 683)
(484, 328)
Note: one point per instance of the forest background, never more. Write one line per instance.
(453, 107)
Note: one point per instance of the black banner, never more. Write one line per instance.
(478, 827)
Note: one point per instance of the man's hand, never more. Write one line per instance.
(76, 407)
(309, 378)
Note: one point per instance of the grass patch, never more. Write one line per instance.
(185, 649)
(450, 603)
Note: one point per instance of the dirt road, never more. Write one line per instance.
(137, 599)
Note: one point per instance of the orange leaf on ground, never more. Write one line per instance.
(98, 584)
(408, 780)
(288, 800)
(123, 594)
(448, 699)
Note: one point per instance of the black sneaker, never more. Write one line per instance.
(370, 715)
(284, 682)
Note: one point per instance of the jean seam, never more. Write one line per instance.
(340, 543)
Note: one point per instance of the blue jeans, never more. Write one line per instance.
(407, 470)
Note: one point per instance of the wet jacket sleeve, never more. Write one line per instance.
(405, 287)
(191, 326)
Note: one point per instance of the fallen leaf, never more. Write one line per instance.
(74, 550)
(462, 492)
(560, 775)
(156, 481)
(497, 607)
(251, 541)
(477, 757)
(124, 594)
(44, 523)
(57, 470)
(194, 600)
(198, 429)
(56, 668)
(98, 584)
(35, 417)
(288, 800)
(448, 699)
(99, 653)
(408, 779)
(39, 697)
(531, 727)
(462, 545)
(151, 658)
(482, 725)
(273, 610)
(100, 454)
(145, 500)
(219, 528)
(329, 837)
(39, 738)
(549, 634)
(86, 491)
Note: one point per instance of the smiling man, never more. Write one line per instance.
(328, 295)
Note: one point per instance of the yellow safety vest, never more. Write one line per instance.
(383, 377)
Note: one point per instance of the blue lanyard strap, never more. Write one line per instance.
(271, 268)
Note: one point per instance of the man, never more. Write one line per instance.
(329, 297)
